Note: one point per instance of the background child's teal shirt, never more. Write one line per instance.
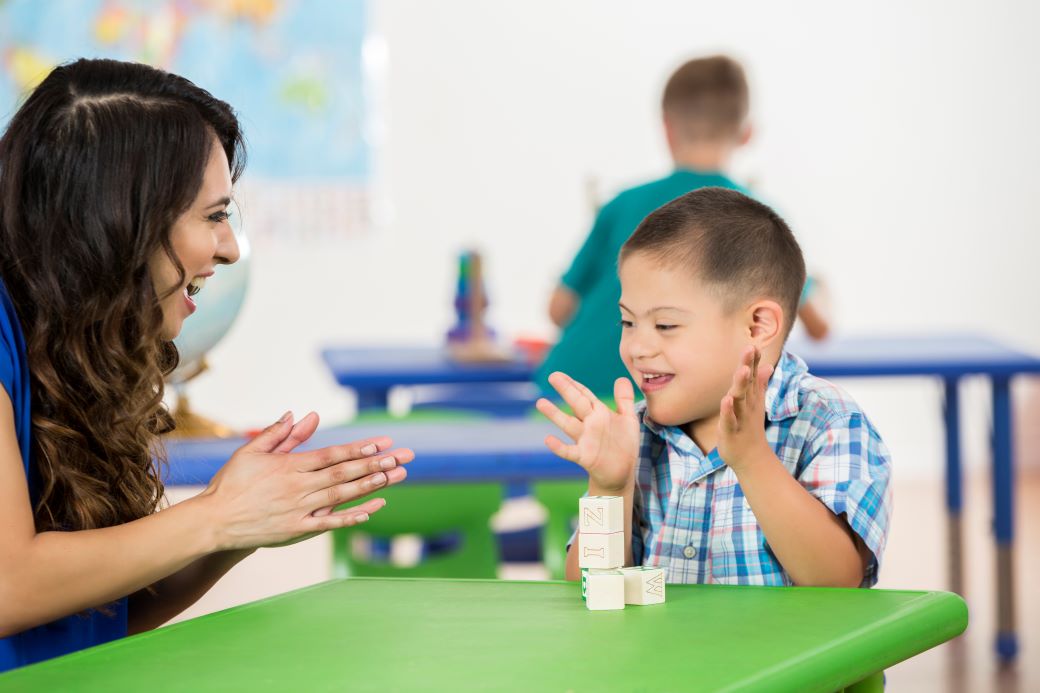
(588, 346)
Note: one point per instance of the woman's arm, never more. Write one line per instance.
(150, 608)
(259, 498)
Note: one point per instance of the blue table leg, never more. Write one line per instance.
(1003, 518)
(373, 399)
(954, 493)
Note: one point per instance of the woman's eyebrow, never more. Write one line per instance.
(222, 202)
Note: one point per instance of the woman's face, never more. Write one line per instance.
(201, 239)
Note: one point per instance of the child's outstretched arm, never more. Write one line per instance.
(606, 445)
(815, 546)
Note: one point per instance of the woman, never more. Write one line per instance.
(115, 183)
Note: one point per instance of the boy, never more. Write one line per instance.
(704, 106)
(740, 467)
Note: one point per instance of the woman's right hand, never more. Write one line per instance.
(267, 495)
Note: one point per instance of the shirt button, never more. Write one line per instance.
(689, 552)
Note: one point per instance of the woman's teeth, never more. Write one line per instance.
(195, 286)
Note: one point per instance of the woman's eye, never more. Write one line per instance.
(218, 217)
(625, 324)
(665, 328)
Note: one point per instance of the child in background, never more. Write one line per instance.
(705, 107)
(740, 467)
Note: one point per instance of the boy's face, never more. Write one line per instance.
(677, 341)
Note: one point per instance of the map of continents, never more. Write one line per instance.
(292, 69)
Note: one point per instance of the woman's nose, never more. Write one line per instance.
(227, 252)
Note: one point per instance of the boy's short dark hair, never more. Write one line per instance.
(740, 248)
(707, 97)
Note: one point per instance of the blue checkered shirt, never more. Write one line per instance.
(692, 518)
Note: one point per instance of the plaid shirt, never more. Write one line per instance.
(691, 515)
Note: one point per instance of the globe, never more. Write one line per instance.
(218, 306)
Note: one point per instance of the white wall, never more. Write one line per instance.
(900, 139)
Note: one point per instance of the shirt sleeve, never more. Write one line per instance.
(595, 256)
(848, 471)
(808, 289)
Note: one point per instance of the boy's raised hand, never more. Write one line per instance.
(742, 413)
(606, 443)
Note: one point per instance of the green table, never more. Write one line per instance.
(405, 634)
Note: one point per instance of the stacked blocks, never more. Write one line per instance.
(605, 584)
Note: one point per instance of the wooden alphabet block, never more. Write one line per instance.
(643, 585)
(601, 515)
(603, 551)
(602, 590)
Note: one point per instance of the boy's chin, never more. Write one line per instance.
(665, 415)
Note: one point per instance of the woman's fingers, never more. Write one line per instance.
(347, 517)
(346, 472)
(344, 493)
(300, 433)
(354, 469)
(566, 423)
(326, 457)
(272, 436)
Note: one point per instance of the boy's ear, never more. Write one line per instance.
(746, 131)
(669, 133)
(765, 323)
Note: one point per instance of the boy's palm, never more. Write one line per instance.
(606, 442)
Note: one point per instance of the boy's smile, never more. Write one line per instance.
(679, 344)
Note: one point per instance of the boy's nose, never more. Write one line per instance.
(641, 348)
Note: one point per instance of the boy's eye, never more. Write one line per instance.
(218, 217)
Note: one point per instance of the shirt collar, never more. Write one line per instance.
(704, 463)
(782, 391)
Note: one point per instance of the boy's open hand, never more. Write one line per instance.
(606, 443)
(742, 435)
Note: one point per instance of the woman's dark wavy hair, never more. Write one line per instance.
(95, 168)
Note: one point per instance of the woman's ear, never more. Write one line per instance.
(765, 323)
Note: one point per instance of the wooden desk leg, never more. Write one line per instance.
(954, 493)
(1003, 519)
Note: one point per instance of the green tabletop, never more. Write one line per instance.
(405, 634)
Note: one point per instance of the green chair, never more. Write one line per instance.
(429, 510)
(560, 498)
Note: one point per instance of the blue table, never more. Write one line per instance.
(373, 371)
(949, 358)
(506, 451)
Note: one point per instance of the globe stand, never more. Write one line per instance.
(187, 423)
